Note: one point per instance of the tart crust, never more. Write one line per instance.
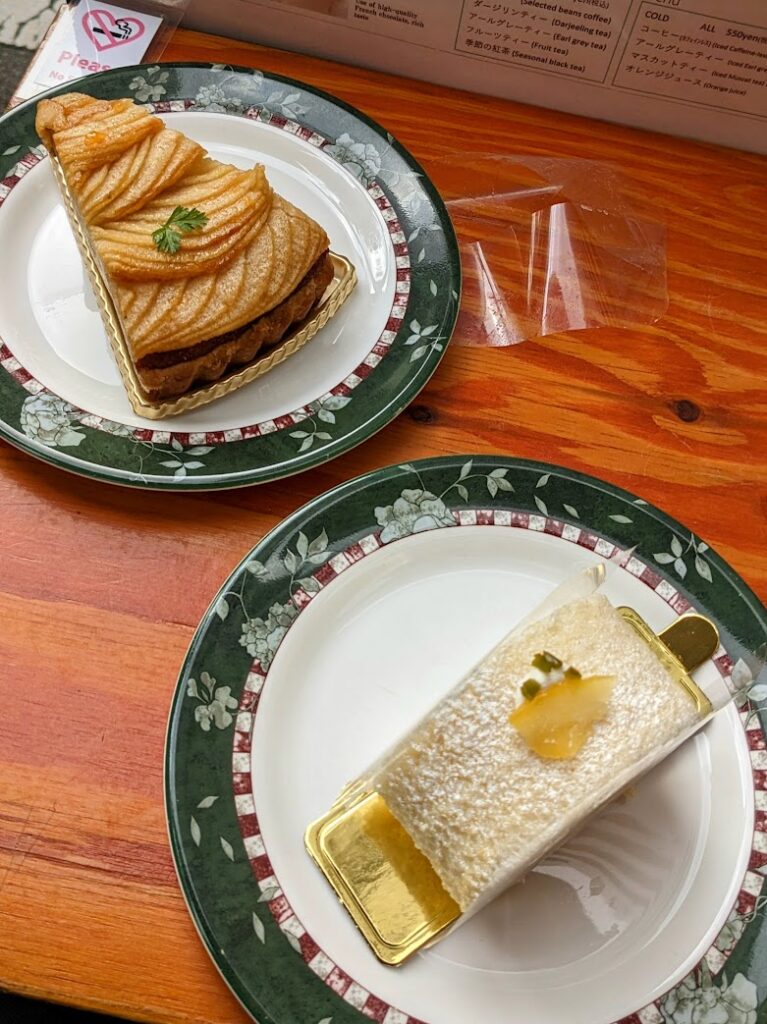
(168, 374)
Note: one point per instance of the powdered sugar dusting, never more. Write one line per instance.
(473, 796)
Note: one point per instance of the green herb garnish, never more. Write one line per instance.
(529, 688)
(546, 662)
(572, 673)
(168, 237)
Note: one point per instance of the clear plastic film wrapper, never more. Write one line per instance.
(550, 245)
(471, 798)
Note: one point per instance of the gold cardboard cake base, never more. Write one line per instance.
(389, 888)
(339, 289)
(681, 647)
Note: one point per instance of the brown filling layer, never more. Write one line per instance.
(163, 360)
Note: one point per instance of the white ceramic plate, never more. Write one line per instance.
(49, 318)
(341, 629)
(61, 395)
(596, 928)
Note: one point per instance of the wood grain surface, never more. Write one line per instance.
(101, 587)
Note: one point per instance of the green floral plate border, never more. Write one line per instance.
(275, 968)
(400, 361)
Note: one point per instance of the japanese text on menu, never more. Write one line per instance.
(570, 37)
(696, 58)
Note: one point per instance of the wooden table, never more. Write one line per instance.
(101, 587)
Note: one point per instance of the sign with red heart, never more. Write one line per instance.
(106, 31)
(93, 36)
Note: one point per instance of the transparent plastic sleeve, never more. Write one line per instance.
(550, 245)
(515, 758)
(431, 750)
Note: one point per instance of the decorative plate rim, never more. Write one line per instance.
(252, 683)
(380, 410)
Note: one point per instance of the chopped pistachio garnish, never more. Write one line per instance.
(546, 662)
(572, 673)
(529, 688)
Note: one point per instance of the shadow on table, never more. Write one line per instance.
(14, 1010)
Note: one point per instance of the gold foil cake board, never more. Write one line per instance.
(337, 292)
(389, 888)
(681, 647)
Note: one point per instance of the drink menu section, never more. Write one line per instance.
(573, 37)
(654, 48)
(687, 67)
(711, 61)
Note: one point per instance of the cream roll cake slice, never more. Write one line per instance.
(575, 703)
(556, 721)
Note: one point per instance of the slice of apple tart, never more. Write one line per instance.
(206, 265)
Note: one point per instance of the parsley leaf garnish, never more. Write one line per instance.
(167, 238)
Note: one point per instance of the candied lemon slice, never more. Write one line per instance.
(559, 719)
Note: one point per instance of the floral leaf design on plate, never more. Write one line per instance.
(496, 481)
(540, 504)
(323, 410)
(232, 92)
(207, 801)
(258, 927)
(749, 683)
(677, 557)
(308, 554)
(226, 847)
(262, 636)
(360, 159)
(329, 405)
(194, 831)
(182, 459)
(417, 509)
(424, 338)
(414, 511)
(151, 87)
(56, 423)
(730, 933)
(214, 703)
(699, 1000)
(286, 103)
(50, 420)
(544, 505)
(215, 99)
